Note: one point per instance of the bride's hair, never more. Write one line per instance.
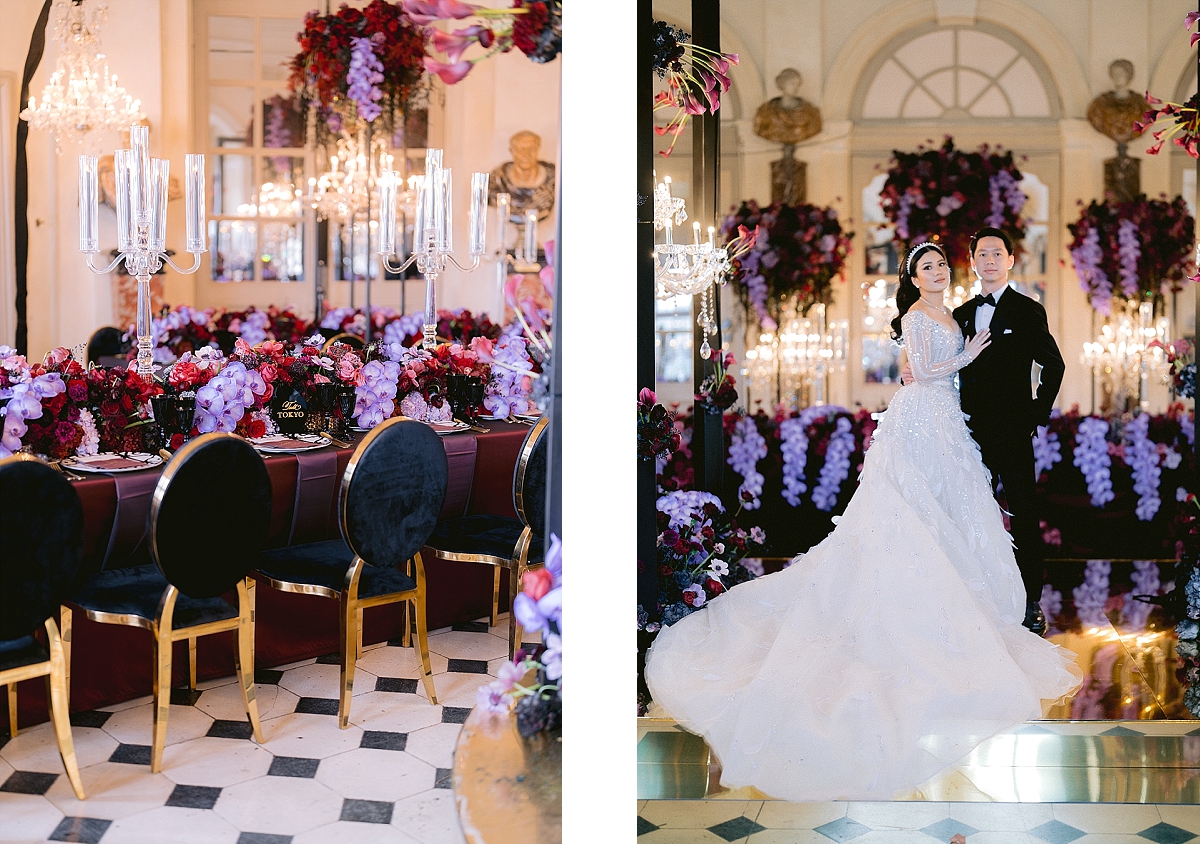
(908, 294)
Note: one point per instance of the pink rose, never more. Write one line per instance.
(268, 371)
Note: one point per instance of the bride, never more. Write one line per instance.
(895, 646)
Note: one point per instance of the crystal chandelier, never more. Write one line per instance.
(1122, 359)
(792, 365)
(683, 269)
(82, 96)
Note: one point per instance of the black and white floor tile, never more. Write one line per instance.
(386, 778)
(777, 822)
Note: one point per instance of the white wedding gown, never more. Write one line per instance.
(890, 649)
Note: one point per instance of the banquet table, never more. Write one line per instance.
(111, 663)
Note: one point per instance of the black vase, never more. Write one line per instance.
(290, 411)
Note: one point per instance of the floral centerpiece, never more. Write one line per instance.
(695, 76)
(657, 437)
(185, 329)
(359, 66)
(699, 549)
(58, 408)
(453, 326)
(945, 194)
(1131, 251)
(1181, 357)
(538, 608)
(796, 252)
(254, 325)
(532, 26)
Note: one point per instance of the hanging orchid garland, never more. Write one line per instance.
(1092, 594)
(746, 448)
(1047, 450)
(837, 466)
(1091, 458)
(1142, 456)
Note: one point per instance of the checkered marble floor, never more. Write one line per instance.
(385, 778)
(776, 822)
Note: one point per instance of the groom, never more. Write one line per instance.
(997, 394)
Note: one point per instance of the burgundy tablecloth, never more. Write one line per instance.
(110, 664)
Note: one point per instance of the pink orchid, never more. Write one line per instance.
(449, 73)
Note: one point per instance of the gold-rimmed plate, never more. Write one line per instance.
(289, 443)
(107, 462)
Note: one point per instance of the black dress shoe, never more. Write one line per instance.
(1035, 619)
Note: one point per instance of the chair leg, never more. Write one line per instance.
(358, 624)
(348, 625)
(56, 684)
(162, 676)
(514, 629)
(496, 597)
(192, 663)
(162, 697)
(12, 710)
(417, 608)
(64, 634)
(406, 630)
(423, 647)
(251, 594)
(243, 657)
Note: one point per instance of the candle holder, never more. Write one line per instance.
(142, 185)
(433, 230)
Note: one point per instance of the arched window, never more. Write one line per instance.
(979, 72)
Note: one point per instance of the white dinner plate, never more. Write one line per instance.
(290, 443)
(443, 428)
(111, 462)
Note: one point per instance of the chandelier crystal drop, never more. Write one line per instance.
(82, 96)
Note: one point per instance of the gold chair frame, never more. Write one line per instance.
(56, 673)
(518, 563)
(350, 617)
(341, 337)
(165, 635)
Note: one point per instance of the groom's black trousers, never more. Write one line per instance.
(1009, 457)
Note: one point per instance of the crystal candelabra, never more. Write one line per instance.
(1122, 359)
(81, 95)
(525, 253)
(142, 184)
(433, 236)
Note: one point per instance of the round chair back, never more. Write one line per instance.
(352, 340)
(210, 515)
(41, 537)
(529, 477)
(392, 491)
(106, 342)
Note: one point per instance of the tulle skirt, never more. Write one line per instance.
(889, 650)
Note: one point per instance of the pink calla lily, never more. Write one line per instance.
(421, 12)
(454, 44)
(449, 73)
(1191, 19)
(455, 9)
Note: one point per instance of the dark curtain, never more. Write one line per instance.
(37, 45)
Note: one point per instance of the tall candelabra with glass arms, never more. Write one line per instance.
(142, 187)
(433, 240)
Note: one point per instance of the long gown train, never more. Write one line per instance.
(893, 647)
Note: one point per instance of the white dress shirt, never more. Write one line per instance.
(983, 313)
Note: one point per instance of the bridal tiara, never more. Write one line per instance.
(912, 252)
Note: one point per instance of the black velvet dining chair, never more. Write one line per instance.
(106, 342)
(501, 541)
(41, 546)
(388, 503)
(208, 524)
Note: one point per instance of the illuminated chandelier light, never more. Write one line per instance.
(793, 364)
(683, 269)
(1121, 357)
(82, 96)
(343, 192)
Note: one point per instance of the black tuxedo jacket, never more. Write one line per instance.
(996, 387)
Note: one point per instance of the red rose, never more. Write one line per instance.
(54, 404)
(256, 428)
(176, 441)
(537, 582)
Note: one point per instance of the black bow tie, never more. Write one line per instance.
(984, 300)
